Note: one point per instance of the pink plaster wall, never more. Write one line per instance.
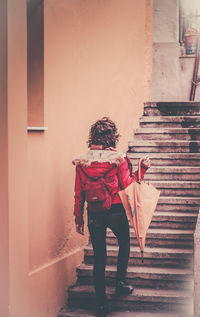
(4, 222)
(97, 62)
(17, 160)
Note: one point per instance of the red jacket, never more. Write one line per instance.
(97, 163)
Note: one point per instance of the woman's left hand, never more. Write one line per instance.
(145, 162)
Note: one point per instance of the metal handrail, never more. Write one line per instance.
(197, 268)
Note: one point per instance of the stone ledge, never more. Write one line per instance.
(187, 56)
(37, 129)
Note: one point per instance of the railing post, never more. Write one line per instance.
(197, 269)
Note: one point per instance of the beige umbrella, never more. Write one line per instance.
(140, 200)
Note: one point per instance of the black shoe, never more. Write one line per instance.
(102, 310)
(123, 289)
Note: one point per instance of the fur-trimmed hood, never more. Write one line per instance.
(100, 156)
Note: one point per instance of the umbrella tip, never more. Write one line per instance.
(142, 255)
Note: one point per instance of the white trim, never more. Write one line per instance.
(30, 129)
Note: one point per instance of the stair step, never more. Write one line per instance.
(176, 220)
(170, 122)
(166, 238)
(140, 300)
(178, 188)
(169, 203)
(167, 134)
(167, 233)
(162, 257)
(169, 177)
(175, 216)
(164, 146)
(168, 159)
(142, 276)
(171, 108)
(149, 252)
(172, 173)
(70, 312)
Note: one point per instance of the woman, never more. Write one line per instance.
(104, 162)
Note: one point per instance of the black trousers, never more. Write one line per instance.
(117, 221)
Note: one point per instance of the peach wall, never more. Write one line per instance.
(97, 61)
(95, 55)
(4, 223)
(148, 49)
(17, 159)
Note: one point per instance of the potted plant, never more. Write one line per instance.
(190, 39)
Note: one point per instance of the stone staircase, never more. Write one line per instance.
(170, 134)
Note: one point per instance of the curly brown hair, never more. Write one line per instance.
(103, 132)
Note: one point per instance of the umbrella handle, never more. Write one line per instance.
(139, 170)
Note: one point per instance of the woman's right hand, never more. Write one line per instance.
(146, 162)
(80, 229)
